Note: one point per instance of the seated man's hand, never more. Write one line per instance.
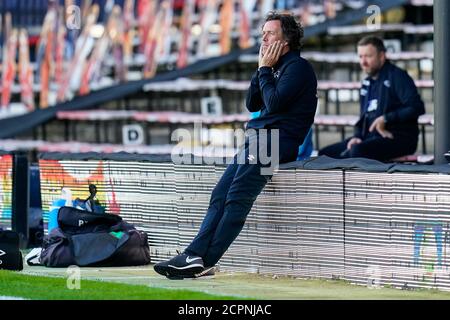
(352, 142)
(379, 125)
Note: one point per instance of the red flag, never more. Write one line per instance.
(25, 71)
(186, 22)
(5, 59)
(9, 68)
(146, 9)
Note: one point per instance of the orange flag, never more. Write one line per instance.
(244, 35)
(226, 24)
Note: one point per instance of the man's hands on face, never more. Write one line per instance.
(270, 56)
(379, 125)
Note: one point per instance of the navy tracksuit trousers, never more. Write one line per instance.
(375, 147)
(232, 200)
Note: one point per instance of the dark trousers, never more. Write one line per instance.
(231, 201)
(375, 147)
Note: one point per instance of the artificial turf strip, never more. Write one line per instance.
(48, 288)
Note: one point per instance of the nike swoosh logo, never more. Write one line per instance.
(189, 260)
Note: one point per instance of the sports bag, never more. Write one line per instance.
(93, 239)
(10, 255)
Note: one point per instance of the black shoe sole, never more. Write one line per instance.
(185, 273)
(175, 278)
(175, 274)
(206, 273)
(162, 270)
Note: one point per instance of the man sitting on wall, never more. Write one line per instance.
(390, 106)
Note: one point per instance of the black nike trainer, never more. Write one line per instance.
(180, 266)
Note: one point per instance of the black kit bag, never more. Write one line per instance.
(74, 221)
(133, 252)
(94, 239)
(10, 255)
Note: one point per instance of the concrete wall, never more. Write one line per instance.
(365, 227)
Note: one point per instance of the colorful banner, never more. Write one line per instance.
(5, 190)
(62, 178)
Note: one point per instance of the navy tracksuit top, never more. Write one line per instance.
(286, 95)
(397, 99)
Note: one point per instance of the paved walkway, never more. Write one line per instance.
(223, 283)
(243, 285)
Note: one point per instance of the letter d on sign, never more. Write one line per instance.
(74, 278)
(133, 134)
